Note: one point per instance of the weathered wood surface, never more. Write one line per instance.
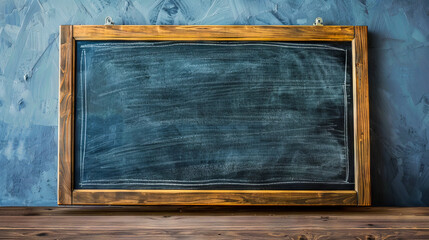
(218, 33)
(214, 223)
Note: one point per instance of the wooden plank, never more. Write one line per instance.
(289, 234)
(266, 223)
(66, 118)
(322, 222)
(333, 211)
(361, 109)
(213, 197)
(213, 33)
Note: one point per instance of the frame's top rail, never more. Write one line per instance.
(213, 33)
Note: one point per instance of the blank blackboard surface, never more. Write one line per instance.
(213, 115)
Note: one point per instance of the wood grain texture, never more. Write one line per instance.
(66, 118)
(287, 233)
(362, 138)
(214, 223)
(214, 33)
(388, 212)
(213, 197)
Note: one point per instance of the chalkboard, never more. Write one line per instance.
(213, 115)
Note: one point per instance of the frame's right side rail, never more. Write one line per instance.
(361, 116)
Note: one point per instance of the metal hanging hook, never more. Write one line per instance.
(108, 21)
(318, 22)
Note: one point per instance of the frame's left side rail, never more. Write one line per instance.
(66, 116)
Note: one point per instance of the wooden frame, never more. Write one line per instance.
(357, 35)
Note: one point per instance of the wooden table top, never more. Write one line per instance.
(214, 222)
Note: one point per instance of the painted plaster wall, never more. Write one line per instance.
(398, 71)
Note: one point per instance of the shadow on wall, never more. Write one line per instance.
(399, 159)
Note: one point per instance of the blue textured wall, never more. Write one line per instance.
(399, 80)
